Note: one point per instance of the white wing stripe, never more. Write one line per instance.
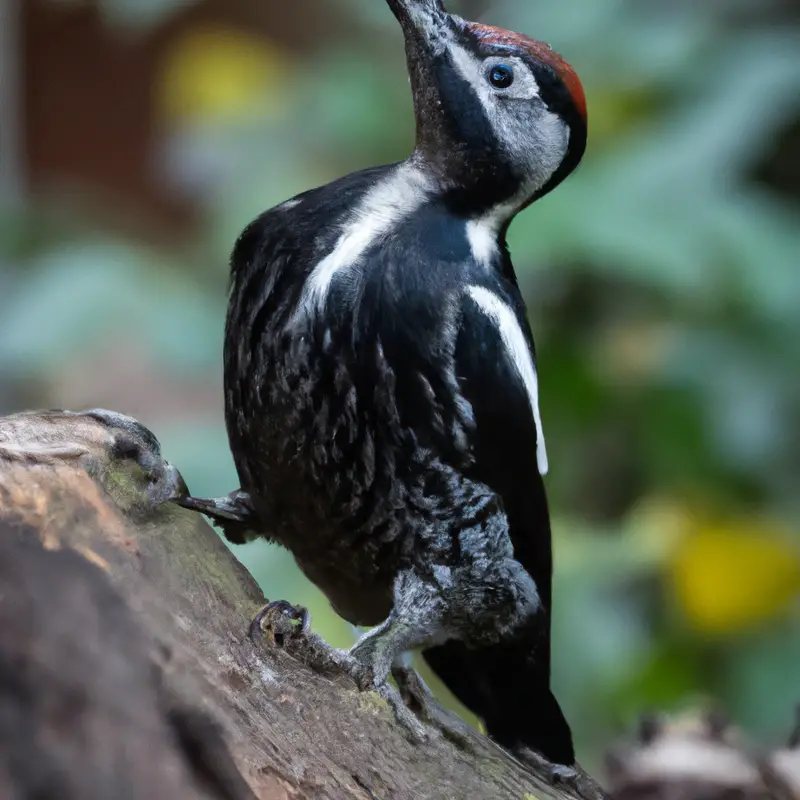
(383, 208)
(520, 354)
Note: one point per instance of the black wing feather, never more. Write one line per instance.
(507, 685)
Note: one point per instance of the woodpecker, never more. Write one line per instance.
(381, 389)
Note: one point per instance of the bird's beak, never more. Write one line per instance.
(428, 29)
(420, 18)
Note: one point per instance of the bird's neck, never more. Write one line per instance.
(445, 220)
(468, 190)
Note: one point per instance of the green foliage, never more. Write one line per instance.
(663, 281)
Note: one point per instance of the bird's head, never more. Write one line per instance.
(501, 118)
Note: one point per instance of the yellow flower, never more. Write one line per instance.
(728, 577)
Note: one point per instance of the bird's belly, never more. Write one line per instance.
(337, 450)
(363, 601)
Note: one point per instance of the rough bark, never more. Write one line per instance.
(125, 667)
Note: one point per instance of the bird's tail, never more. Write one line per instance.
(508, 686)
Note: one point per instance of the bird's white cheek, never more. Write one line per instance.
(541, 155)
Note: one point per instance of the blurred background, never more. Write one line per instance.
(138, 137)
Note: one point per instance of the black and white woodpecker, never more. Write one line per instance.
(381, 391)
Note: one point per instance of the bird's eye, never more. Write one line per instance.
(501, 76)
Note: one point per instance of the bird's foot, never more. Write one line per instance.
(280, 619)
(419, 698)
(233, 513)
(289, 627)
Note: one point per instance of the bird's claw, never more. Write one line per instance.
(281, 620)
(233, 513)
(290, 625)
(417, 696)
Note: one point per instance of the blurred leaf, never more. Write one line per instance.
(361, 108)
(77, 295)
(670, 674)
(729, 577)
(759, 682)
(211, 72)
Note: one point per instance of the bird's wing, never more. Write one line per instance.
(276, 252)
(496, 371)
(507, 684)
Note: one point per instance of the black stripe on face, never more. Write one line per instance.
(455, 133)
(556, 95)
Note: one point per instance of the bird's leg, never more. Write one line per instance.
(233, 513)
(368, 663)
(447, 603)
(413, 621)
(375, 652)
(426, 609)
